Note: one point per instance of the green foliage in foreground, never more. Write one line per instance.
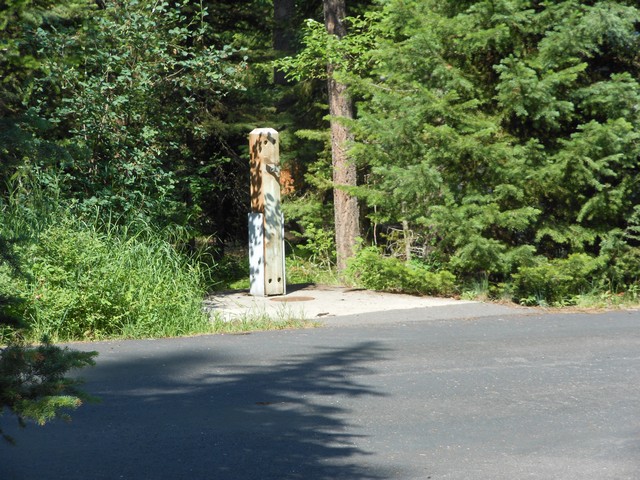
(85, 284)
(33, 385)
(96, 279)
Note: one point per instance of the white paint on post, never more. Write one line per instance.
(256, 254)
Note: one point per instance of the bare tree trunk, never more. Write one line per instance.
(283, 15)
(344, 169)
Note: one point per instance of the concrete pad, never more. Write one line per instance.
(313, 302)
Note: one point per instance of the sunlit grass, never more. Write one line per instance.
(258, 321)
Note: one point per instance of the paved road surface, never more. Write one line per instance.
(403, 396)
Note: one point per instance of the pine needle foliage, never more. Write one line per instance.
(506, 132)
(34, 385)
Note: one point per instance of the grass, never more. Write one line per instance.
(591, 300)
(93, 277)
(477, 290)
(89, 285)
(608, 300)
(301, 270)
(257, 322)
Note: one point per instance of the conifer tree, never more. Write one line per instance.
(505, 132)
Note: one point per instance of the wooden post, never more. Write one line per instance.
(266, 222)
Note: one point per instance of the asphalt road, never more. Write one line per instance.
(405, 396)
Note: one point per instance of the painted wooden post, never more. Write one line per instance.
(266, 222)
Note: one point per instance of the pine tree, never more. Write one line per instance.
(505, 132)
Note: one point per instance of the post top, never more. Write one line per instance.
(263, 131)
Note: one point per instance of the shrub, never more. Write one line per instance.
(621, 261)
(369, 269)
(319, 246)
(557, 281)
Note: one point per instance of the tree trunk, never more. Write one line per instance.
(283, 15)
(344, 170)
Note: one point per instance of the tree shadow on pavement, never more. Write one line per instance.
(212, 413)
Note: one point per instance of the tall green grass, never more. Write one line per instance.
(88, 284)
(96, 277)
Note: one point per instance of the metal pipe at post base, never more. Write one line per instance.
(266, 221)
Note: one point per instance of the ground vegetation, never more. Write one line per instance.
(495, 146)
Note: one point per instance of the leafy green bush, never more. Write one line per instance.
(557, 281)
(319, 248)
(130, 106)
(84, 284)
(371, 270)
